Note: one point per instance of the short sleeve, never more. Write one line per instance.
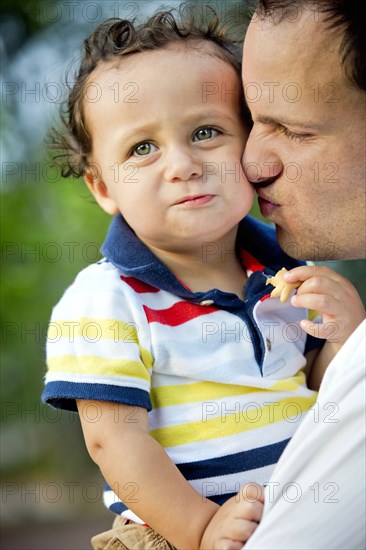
(98, 344)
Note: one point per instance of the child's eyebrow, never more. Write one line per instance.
(202, 115)
(199, 118)
(134, 133)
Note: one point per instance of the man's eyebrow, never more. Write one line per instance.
(263, 119)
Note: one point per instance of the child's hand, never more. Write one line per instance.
(235, 521)
(333, 296)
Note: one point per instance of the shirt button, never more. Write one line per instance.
(207, 303)
(268, 344)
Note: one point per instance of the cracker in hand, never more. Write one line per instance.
(282, 289)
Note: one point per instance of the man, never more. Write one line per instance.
(305, 85)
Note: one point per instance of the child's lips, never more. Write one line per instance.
(195, 200)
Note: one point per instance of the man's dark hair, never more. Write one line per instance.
(346, 15)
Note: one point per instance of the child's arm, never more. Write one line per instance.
(337, 300)
(127, 455)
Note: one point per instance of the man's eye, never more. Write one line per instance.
(204, 133)
(144, 149)
(294, 136)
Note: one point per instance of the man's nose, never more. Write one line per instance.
(182, 164)
(262, 165)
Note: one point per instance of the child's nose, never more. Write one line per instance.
(182, 165)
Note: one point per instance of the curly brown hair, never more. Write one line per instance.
(115, 39)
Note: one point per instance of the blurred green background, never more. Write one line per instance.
(50, 229)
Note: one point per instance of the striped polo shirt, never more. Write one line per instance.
(222, 378)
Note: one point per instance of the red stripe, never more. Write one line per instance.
(265, 297)
(138, 286)
(179, 313)
(250, 262)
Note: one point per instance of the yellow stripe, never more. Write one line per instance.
(146, 358)
(232, 424)
(93, 330)
(313, 314)
(88, 364)
(290, 384)
(166, 396)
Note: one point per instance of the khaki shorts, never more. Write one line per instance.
(126, 535)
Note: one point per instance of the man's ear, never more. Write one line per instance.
(100, 191)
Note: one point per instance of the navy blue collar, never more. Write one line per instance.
(126, 252)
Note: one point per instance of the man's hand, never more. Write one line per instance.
(235, 521)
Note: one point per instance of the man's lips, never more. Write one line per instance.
(264, 198)
(192, 200)
(267, 206)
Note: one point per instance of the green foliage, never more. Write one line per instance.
(50, 231)
(28, 11)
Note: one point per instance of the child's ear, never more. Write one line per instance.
(100, 191)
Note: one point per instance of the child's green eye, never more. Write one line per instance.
(204, 133)
(144, 149)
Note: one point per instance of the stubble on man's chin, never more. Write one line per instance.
(308, 248)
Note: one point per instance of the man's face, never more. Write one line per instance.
(169, 148)
(306, 151)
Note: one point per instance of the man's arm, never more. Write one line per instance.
(317, 362)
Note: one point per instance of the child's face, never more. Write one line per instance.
(168, 140)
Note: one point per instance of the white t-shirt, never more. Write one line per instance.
(316, 497)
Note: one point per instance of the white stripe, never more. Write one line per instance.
(107, 349)
(217, 366)
(127, 382)
(109, 498)
(232, 483)
(241, 407)
(232, 444)
(157, 300)
(210, 329)
(241, 371)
